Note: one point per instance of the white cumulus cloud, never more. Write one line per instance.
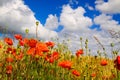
(110, 7)
(17, 17)
(74, 19)
(52, 22)
(106, 22)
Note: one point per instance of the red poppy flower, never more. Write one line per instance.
(32, 43)
(31, 51)
(9, 49)
(42, 46)
(38, 52)
(19, 57)
(103, 63)
(9, 41)
(50, 44)
(9, 69)
(79, 52)
(65, 64)
(93, 75)
(51, 60)
(35, 52)
(9, 59)
(0, 46)
(55, 55)
(13, 50)
(76, 73)
(47, 57)
(23, 42)
(14, 54)
(117, 62)
(18, 36)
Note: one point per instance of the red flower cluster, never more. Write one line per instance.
(13, 51)
(117, 62)
(37, 48)
(23, 41)
(65, 64)
(103, 63)
(51, 58)
(79, 52)
(76, 73)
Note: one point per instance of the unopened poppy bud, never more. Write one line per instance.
(27, 31)
(112, 44)
(37, 23)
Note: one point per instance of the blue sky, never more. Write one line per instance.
(63, 19)
(42, 8)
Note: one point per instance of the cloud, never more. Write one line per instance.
(4, 2)
(52, 22)
(74, 19)
(47, 34)
(17, 17)
(73, 2)
(99, 1)
(89, 7)
(110, 7)
(106, 22)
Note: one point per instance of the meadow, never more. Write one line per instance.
(33, 59)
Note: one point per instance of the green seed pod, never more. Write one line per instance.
(26, 31)
(37, 23)
(86, 41)
(80, 38)
(112, 44)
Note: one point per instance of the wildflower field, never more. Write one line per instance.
(33, 59)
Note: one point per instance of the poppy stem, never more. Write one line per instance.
(81, 42)
(9, 77)
(84, 77)
(118, 75)
(37, 23)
